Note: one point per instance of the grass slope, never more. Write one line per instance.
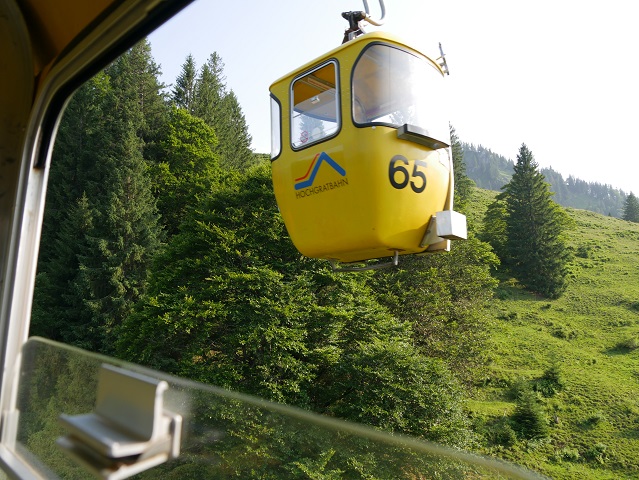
(591, 333)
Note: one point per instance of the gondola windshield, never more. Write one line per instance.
(393, 87)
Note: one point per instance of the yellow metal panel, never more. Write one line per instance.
(352, 211)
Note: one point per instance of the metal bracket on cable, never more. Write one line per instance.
(441, 60)
(355, 28)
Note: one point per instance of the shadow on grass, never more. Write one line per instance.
(510, 289)
(629, 433)
(622, 348)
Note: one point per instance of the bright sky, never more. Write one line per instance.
(561, 76)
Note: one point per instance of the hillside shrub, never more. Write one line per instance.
(595, 418)
(517, 388)
(583, 251)
(629, 344)
(551, 382)
(567, 454)
(564, 333)
(597, 453)
(529, 418)
(502, 433)
(503, 294)
(621, 322)
(509, 316)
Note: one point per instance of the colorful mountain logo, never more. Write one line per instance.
(308, 179)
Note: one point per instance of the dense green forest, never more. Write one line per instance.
(163, 245)
(492, 171)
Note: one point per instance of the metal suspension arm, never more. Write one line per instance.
(355, 18)
(370, 20)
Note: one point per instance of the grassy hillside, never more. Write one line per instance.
(591, 334)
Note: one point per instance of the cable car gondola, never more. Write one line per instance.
(361, 162)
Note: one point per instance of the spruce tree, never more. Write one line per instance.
(536, 251)
(529, 416)
(101, 226)
(59, 309)
(125, 235)
(220, 109)
(210, 89)
(185, 86)
(72, 161)
(135, 76)
(631, 208)
(235, 141)
(463, 184)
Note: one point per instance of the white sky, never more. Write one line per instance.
(561, 76)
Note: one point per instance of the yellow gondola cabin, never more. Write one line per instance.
(361, 161)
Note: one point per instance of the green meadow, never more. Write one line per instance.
(588, 339)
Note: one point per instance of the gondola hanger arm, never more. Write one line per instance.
(379, 22)
(356, 18)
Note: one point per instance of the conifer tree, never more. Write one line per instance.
(463, 184)
(536, 251)
(102, 221)
(135, 76)
(529, 417)
(184, 92)
(631, 208)
(59, 307)
(125, 235)
(210, 89)
(220, 109)
(72, 162)
(235, 141)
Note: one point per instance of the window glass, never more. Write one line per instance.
(394, 87)
(315, 112)
(276, 128)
